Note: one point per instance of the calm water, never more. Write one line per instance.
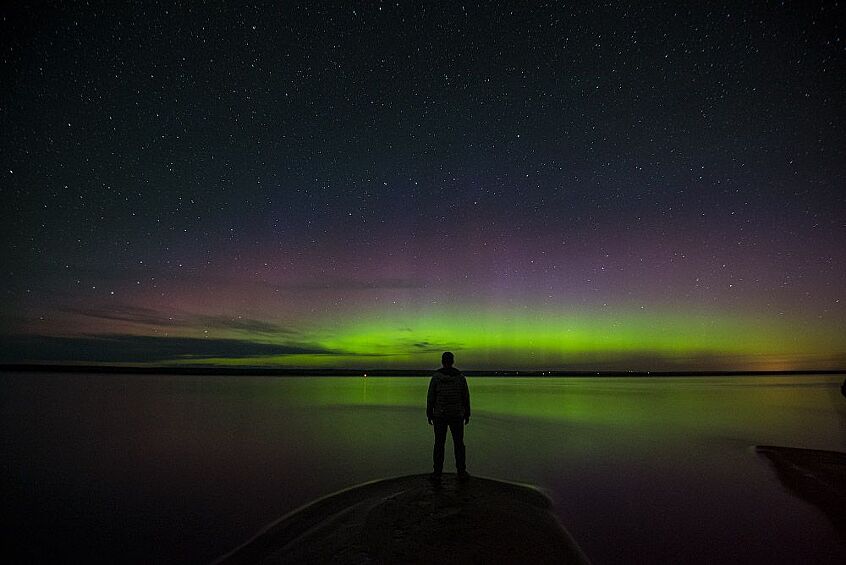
(181, 469)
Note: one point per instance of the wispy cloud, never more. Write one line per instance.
(421, 346)
(151, 317)
(124, 313)
(243, 324)
(125, 348)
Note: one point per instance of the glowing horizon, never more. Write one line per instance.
(638, 339)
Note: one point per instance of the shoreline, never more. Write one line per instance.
(816, 476)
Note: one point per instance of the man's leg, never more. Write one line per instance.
(440, 439)
(456, 426)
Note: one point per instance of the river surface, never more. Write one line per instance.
(180, 469)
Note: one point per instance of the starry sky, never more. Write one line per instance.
(579, 185)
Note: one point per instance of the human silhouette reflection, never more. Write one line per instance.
(448, 406)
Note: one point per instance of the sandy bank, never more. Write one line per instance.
(816, 476)
(412, 520)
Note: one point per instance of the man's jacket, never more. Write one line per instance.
(448, 395)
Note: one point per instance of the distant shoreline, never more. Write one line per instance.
(287, 372)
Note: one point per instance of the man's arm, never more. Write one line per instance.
(465, 397)
(430, 399)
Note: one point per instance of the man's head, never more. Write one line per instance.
(447, 359)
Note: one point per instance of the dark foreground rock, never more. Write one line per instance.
(413, 520)
(815, 476)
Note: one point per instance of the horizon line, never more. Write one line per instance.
(359, 372)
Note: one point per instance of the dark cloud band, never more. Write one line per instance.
(140, 349)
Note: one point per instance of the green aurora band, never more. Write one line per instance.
(535, 340)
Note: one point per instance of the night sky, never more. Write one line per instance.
(579, 185)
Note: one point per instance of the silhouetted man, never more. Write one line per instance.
(448, 406)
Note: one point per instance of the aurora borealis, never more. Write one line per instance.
(629, 186)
